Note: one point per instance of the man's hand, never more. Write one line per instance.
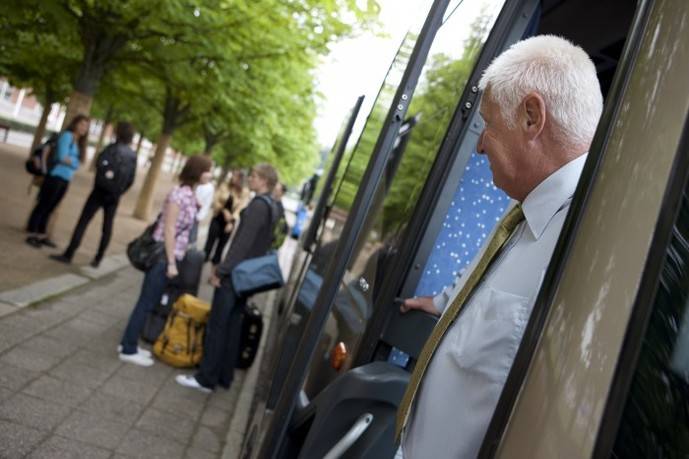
(214, 280)
(422, 303)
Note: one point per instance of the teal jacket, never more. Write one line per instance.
(66, 148)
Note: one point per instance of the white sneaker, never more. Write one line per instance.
(137, 359)
(139, 350)
(192, 383)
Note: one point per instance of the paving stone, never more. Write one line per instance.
(79, 373)
(105, 364)
(108, 266)
(112, 407)
(85, 327)
(169, 425)
(6, 309)
(5, 394)
(157, 374)
(40, 290)
(59, 391)
(18, 440)
(29, 359)
(137, 391)
(15, 378)
(197, 453)
(140, 444)
(11, 336)
(50, 346)
(214, 417)
(33, 412)
(57, 447)
(97, 317)
(207, 440)
(93, 429)
(66, 334)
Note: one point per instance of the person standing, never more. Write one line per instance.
(204, 197)
(253, 239)
(70, 152)
(228, 202)
(541, 104)
(173, 229)
(115, 173)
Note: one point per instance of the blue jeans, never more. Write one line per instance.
(155, 281)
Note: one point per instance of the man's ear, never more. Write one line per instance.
(533, 109)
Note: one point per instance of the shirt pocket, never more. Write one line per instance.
(486, 339)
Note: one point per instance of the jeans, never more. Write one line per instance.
(222, 340)
(95, 201)
(155, 281)
(52, 192)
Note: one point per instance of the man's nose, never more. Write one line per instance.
(479, 144)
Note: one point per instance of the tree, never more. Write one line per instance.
(41, 61)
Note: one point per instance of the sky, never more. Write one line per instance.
(358, 65)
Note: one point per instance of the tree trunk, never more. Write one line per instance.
(143, 204)
(105, 131)
(139, 143)
(79, 104)
(40, 129)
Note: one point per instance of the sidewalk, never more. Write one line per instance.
(21, 264)
(64, 393)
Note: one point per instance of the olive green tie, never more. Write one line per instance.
(502, 234)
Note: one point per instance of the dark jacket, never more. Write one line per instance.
(253, 238)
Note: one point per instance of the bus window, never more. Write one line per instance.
(444, 75)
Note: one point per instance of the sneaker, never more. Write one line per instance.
(48, 243)
(139, 350)
(61, 258)
(34, 242)
(136, 359)
(191, 382)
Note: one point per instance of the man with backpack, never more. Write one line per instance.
(115, 173)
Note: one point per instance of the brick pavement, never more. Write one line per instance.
(65, 394)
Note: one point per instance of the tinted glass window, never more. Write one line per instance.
(655, 420)
(444, 75)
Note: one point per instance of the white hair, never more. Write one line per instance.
(561, 72)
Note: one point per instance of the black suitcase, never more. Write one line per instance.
(250, 337)
(188, 281)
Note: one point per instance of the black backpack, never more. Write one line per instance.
(113, 171)
(43, 158)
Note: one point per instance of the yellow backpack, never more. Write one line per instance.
(181, 342)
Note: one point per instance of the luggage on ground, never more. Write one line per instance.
(188, 281)
(250, 338)
(181, 342)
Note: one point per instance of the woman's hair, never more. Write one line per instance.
(194, 169)
(267, 173)
(124, 132)
(82, 143)
(237, 174)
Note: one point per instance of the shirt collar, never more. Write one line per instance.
(551, 194)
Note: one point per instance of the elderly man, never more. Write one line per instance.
(541, 105)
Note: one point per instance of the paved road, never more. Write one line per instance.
(65, 394)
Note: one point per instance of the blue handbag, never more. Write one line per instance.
(257, 275)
